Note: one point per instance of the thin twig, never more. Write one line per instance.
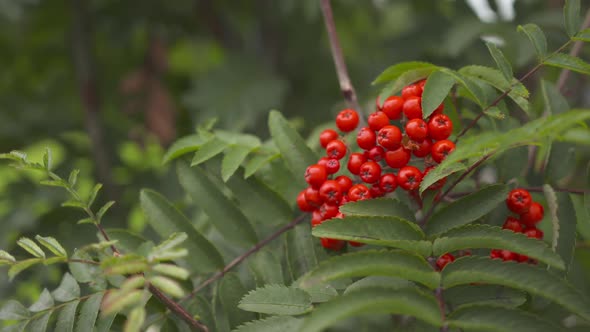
(341, 70)
(441, 305)
(575, 51)
(245, 255)
(178, 309)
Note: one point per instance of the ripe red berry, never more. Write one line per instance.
(398, 158)
(388, 183)
(533, 215)
(409, 178)
(370, 172)
(392, 107)
(512, 224)
(376, 153)
(331, 192)
(332, 166)
(377, 120)
(413, 108)
(440, 127)
(441, 149)
(412, 90)
(496, 254)
(519, 201)
(323, 161)
(332, 244)
(336, 149)
(365, 138)
(508, 255)
(302, 202)
(376, 191)
(329, 211)
(315, 175)
(438, 184)
(345, 183)
(347, 120)
(316, 218)
(390, 137)
(534, 233)
(423, 148)
(312, 196)
(359, 192)
(443, 260)
(327, 136)
(355, 161)
(522, 258)
(355, 244)
(417, 130)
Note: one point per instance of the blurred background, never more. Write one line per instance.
(109, 85)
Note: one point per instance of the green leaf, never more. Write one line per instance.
(296, 154)
(67, 290)
(4, 256)
(492, 237)
(397, 70)
(201, 307)
(277, 300)
(165, 219)
(436, 89)
(384, 231)
(566, 61)
(501, 61)
(533, 279)
(67, 317)
(21, 266)
(84, 272)
(74, 204)
(135, 320)
(93, 194)
(395, 263)
(472, 90)
(224, 215)
(407, 77)
(554, 101)
(266, 268)
(379, 207)
(124, 264)
(103, 210)
(167, 286)
(183, 146)
(536, 37)
(583, 35)
(321, 292)
(13, 310)
(86, 221)
(272, 324)
(52, 244)
(230, 292)
(171, 270)
(47, 160)
(44, 302)
(18, 327)
(379, 282)
(233, 158)
(485, 294)
(410, 302)
(467, 209)
(209, 150)
(571, 17)
(303, 252)
(495, 318)
(564, 220)
(103, 324)
(73, 178)
(31, 247)
(39, 323)
(126, 240)
(118, 300)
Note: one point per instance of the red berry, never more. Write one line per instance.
(392, 107)
(365, 138)
(522, 258)
(355, 161)
(327, 136)
(359, 192)
(345, 183)
(376, 191)
(533, 215)
(377, 120)
(412, 90)
(376, 153)
(409, 178)
(323, 161)
(423, 148)
(331, 192)
(336, 149)
(421, 84)
(332, 166)
(315, 175)
(438, 184)
(388, 182)
(355, 244)
(533, 232)
(316, 218)
(440, 127)
(441, 149)
(378, 104)
(370, 172)
(329, 211)
(347, 120)
(345, 199)
(332, 244)
(398, 158)
(417, 130)
(302, 202)
(443, 260)
(512, 224)
(312, 196)
(390, 137)
(508, 255)
(519, 201)
(495, 254)
(413, 108)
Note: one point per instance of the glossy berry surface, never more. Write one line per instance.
(443, 260)
(519, 201)
(370, 172)
(327, 136)
(409, 178)
(388, 182)
(534, 214)
(440, 127)
(512, 224)
(359, 192)
(377, 120)
(332, 166)
(336, 149)
(347, 120)
(302, 203)
(355, 161)
(376, 154)
(417, 130)
(330, 192)
(345, 183)
(332, 244)
(365, 138)
(390, 137)
(397, 158)
(412, 90)
(392, 107)
(534, 233)
(441, 149)
(413, 108)
(315, 175)
(423, 149)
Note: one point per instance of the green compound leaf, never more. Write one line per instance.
(272, 324)
(395, 263)
(277, 300)
(383, 207)
(230, 292)
(31, 247)
(491, 237)
(183, 146)
(536, 37)
(14, 310)
(67, 317)
(397, 70)
(495, 318)
(88, 313)
(571, 17)
(68, 289)
(52, 244)
(526, 277)
(209, 150)
(501, 61)
(436, 89)
(566, 61)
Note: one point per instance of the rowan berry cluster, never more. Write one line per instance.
(381, 163)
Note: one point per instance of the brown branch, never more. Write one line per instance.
(178, 309)
(438, 293)
(576, 49)
(341, 70)
(245, 255)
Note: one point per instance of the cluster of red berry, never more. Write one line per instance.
(530, 214)
(381, 163)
